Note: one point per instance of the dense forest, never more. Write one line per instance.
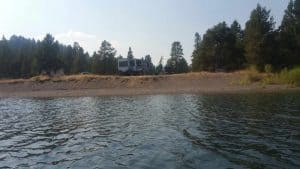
(228, 47)
(222, 48)
(21, 57)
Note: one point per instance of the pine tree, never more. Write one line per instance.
(289, 33)
(238, 53)
(176, 50)
(159, 67)
(196, 53)
(95, 63)
(197, 40)
(258, 33)
(220, 49)
(48, 55)
(80, 63)
(130, 54)
(148, 65)
(5, 61)
(177, 63)
(104, 62)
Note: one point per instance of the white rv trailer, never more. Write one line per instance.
(128, 66)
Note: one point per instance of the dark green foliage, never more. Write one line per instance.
(259, 36)
(104, 62)
(130, 54)
(47, 56)
(289, 36)
(177, 63)
(196, 53)
(159, 67)
(148, 65)
(80, 62)
(231, 48)
(238, 51)
(21, 57)
(220, 49)
(66, 56)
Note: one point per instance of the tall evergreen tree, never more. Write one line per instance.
(176, 50)
(47, 57)
(238, 52)
(80, 62)
(130, 54)
(258, 37)
(159, 67)
(196, 52)
(5, 61)
(104, 62)
(95, 63)
(197, 40)
(289, 32)
(220, 49)
(107, 53)
(148, 65)
(177, 63)
(66, 56)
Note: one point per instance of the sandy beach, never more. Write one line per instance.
(96, 85)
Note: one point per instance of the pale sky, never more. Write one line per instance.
(148, 26)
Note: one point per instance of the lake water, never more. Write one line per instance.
(161, 131)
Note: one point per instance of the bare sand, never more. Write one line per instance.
(96, 85)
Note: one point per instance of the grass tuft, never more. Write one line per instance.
(41, 78)
(250, 75)
(291, 77)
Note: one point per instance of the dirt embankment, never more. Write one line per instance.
(95, 85)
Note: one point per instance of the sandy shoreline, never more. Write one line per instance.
(92, 85)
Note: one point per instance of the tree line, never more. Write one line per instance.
(228, 47)
(21, 57)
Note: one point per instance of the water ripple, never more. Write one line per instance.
(163, 131)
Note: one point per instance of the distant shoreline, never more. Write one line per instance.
(96, 85)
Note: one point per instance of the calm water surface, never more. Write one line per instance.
(163, 131)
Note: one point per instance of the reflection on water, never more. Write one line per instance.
(166, 131)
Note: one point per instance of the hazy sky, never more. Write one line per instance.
(148, 26)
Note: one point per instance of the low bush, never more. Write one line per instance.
(251, 75)
(293, 76)
(268, 68)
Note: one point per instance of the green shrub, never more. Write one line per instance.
(268, 68)
(251, 76)
(291, 77)
(294, 76)
(286, 76)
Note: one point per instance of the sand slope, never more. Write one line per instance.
(94, 85)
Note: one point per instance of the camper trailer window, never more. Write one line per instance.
(123, 63)
(138, 62)
(132, 63)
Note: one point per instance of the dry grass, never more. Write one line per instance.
(75, 78)
(13, 81)
(250, 76)
(131, 79)
(40, 79)
(244, 77)
(290, 77)
(285, 77)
